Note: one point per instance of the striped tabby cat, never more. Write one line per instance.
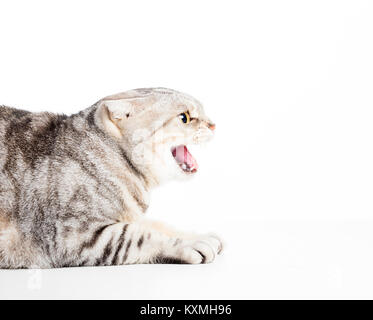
(74, 189)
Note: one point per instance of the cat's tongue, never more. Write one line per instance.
(184, 158)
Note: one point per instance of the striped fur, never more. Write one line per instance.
(75, 188)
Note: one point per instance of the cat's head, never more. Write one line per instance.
(155, 126)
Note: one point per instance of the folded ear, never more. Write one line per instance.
(113, 113)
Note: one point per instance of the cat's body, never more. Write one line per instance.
(74, 189)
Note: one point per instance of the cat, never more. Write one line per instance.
(74, 189)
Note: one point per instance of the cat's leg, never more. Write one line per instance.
(137, 242)
(214, 240)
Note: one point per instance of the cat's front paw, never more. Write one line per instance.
(203, 249)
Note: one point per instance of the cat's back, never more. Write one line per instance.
(25, 138)
(27, 134)
(9, 116)
(9, 113)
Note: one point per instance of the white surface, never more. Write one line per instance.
(265, 260)
(288, 180)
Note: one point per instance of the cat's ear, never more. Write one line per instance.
(113, 113)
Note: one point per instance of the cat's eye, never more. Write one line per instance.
(185, 117)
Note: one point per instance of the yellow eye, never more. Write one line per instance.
(185, 117)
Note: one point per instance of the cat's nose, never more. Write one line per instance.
(212, 126)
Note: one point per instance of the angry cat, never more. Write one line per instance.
(74, 189)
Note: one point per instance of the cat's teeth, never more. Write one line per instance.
(184, 166)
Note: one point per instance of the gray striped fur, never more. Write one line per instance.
(74, 189)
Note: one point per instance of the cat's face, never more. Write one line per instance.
(156, 126)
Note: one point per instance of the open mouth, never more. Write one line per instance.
(184, 159)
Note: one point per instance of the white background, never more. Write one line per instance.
(288, 179)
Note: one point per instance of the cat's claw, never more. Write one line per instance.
(219, 244)
(198, 252)
(202, 249)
